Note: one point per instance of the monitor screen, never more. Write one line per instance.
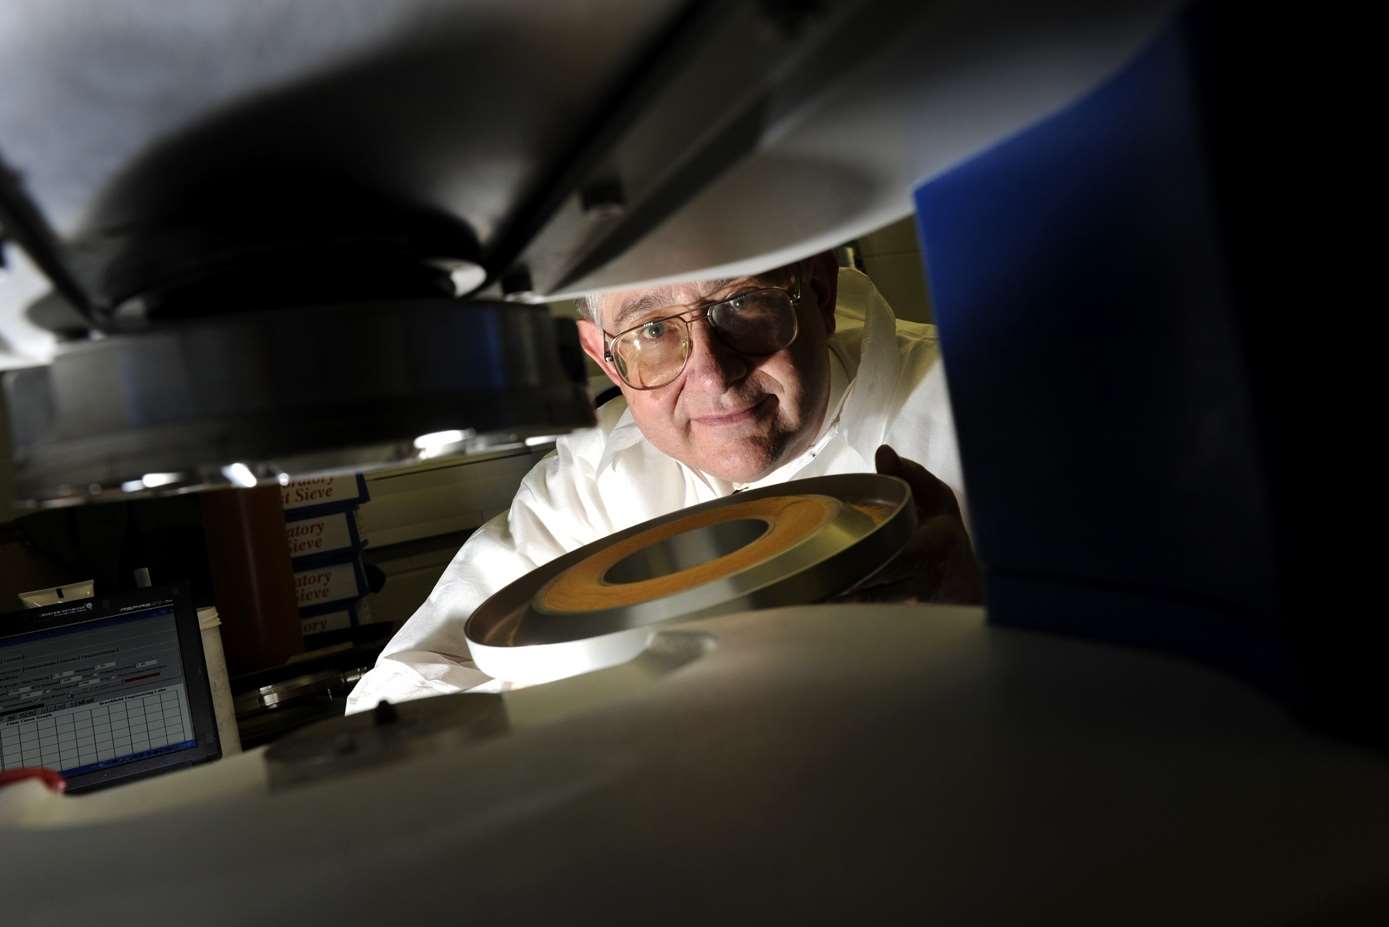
(107, 689)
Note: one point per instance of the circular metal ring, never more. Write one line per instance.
(789, 544)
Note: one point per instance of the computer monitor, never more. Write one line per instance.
(106, 690)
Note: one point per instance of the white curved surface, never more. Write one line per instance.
(900, 763)
(22, 343)
(541, 663)
(964, 76)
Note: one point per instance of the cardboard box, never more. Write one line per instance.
(333, 533)
(324, 494)
(320, 585)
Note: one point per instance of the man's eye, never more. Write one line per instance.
(653, 330)
(752, 299)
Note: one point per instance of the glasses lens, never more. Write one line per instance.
(653, 354)
(760, 322)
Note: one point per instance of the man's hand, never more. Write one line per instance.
(938, 563)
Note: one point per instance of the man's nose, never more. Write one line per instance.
(712, 365)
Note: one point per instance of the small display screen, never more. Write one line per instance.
(88, 691)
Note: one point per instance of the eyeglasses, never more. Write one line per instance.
(654, 352)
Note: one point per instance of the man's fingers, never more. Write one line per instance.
(954, 576)
(936, 565)
(932, 497)
(886, 460)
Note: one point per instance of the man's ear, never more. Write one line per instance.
(823, 280)
(591, 340)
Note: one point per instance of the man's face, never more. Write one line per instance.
(734, 416)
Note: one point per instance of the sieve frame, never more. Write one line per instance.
(833, 559)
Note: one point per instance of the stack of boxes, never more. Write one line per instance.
(419, 515)
(325, 547)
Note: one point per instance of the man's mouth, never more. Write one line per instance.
(745, 414)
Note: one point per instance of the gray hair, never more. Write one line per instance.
(588, 308)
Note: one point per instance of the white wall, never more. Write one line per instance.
(892, 257)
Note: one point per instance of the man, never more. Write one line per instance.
(726, 385)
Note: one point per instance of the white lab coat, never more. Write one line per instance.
(887, 387)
